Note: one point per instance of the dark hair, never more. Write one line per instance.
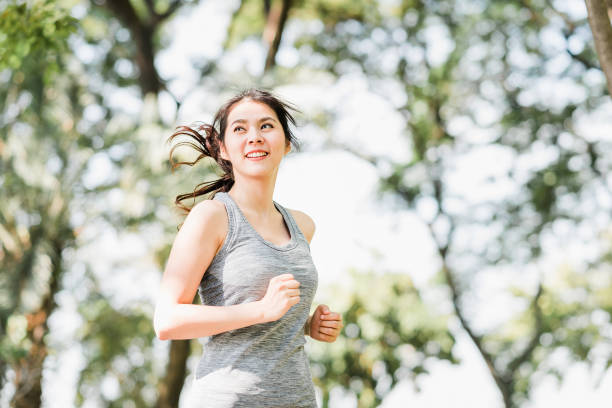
(207, 138)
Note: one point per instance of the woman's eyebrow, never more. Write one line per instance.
(238, 121)
(260, 120)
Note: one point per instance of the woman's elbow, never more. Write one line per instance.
(161, 327)
(162, 334)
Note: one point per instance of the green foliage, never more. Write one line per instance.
(389, 335)
(56, 130)
(334, 11)
(250, 19)
(117, 349)
(248, 22)
(34, 221)
(33, 30)
(575, 307)
(489, 79)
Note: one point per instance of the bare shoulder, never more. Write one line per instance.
(207, 217)
(305, 223)
(207, 209)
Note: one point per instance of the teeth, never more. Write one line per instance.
(257, 154)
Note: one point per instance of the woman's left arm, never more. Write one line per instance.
(323, 325)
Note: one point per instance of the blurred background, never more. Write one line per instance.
(455, 157)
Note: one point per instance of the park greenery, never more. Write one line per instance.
(83, 161)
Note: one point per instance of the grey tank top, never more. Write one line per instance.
(263, 365)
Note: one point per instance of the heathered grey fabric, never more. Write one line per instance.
(263, 365)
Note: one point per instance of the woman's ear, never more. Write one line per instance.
(222, 151)
(288, 148)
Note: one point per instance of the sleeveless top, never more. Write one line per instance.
(262, 365)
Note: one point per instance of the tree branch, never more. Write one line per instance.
(599, 21)
(535, 338)
(142, 33)
(171, 10)
(498, 377)
(568, 32)
(478, 340)
(150, 7)
(578, 57)
(273, 31)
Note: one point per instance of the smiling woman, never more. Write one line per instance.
(249, 259)
(210, 139)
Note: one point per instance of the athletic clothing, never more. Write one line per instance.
(263, 365)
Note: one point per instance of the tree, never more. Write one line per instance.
(481, 76)
(34, 215)
(143, 26)
(60, 128)
(599, 20)
(480, 87)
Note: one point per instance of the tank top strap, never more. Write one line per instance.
(294, 227)
(232, 219)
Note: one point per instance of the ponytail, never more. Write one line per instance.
(205, 140)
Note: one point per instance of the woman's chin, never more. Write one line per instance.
(257, 173)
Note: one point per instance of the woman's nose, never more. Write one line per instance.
(255, 136)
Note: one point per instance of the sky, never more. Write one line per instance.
(354, 229)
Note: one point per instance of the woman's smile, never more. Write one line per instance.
(256, 155)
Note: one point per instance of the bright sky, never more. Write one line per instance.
(353, 229)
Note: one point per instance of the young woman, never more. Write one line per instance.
(249, 259)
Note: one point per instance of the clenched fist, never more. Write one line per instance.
(282, 293)
(325, 325)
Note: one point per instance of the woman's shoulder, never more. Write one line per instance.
(304, 222)
(208, 216)
(208, 209)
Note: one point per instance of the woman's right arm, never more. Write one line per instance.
(193, 249)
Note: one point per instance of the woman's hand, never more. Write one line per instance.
(325, 325)
(282, 293)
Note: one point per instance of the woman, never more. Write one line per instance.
(249, 258)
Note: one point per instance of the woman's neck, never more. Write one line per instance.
(254, 196)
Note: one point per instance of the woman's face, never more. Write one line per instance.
(254, 139)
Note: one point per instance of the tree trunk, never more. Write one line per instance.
(28, 371)
(145, 57)
(172, 384)
(599, 20)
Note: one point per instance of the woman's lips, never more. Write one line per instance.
(258, 155)
(256, 158)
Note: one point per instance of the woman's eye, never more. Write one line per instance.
(237, 128)
(267, 124)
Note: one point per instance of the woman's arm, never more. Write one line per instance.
(322, 325)
(194, 247)
(188, 321)
(307, 226)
